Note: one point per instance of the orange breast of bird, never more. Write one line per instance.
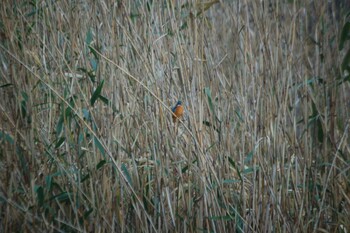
(178, 113)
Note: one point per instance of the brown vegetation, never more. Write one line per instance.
(87, 141)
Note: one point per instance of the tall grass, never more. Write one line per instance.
(87, 142)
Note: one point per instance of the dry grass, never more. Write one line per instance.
(87, 143)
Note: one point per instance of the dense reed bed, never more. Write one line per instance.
(87, 141)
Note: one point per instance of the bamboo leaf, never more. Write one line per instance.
(59, 126)
(6, 137)
(233, 164)
(39, 195)
(210, 101)
(60, 142)
(344, 36)
(126, 173)
(103, 99)
(249, 156)
(99, 146)
(100, 164)
(346, 62)
(89, 37)
(96, 93)
(6, 85)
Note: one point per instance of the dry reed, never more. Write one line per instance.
(87, 143)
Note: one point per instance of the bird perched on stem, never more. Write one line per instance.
(178, 111)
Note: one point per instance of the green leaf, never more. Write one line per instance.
(87, 213)
(233, 164)
(48, 181)
(24, 104)
(346, 62)
(184, 169)
(6, 85)
(99, 146)
(59, 126)
(89, 73)
(239, 223)
(134, 16)
(60, 142)
(100, 164)
(68, 112)
(320, 131)
(62, 197)
(96, 93)
(249, 156)
(126, 173)
(24, 96)
(89, 37)
(316, 121)
(230, 181)
(239, 115)
(94, 52)
(94, 64)
(39, 195)
(210, 146)
(24, 165)
(345, 79)
(6, 137)
(344, 36)
(210, 101)
(86, 114)
(148, 4)
(249, 170)
(103, 99)
(86, 177)
(183, 26)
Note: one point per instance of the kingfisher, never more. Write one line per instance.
(178, 110)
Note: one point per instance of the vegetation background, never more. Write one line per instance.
(87, 143)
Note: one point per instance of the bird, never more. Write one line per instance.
(178, 111)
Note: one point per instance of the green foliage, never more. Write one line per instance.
(344, 36)
(210, 101)
(101, 164)
(96, 93)
(100, 146)
(5, 137)
(126, 173)
(343, 40)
